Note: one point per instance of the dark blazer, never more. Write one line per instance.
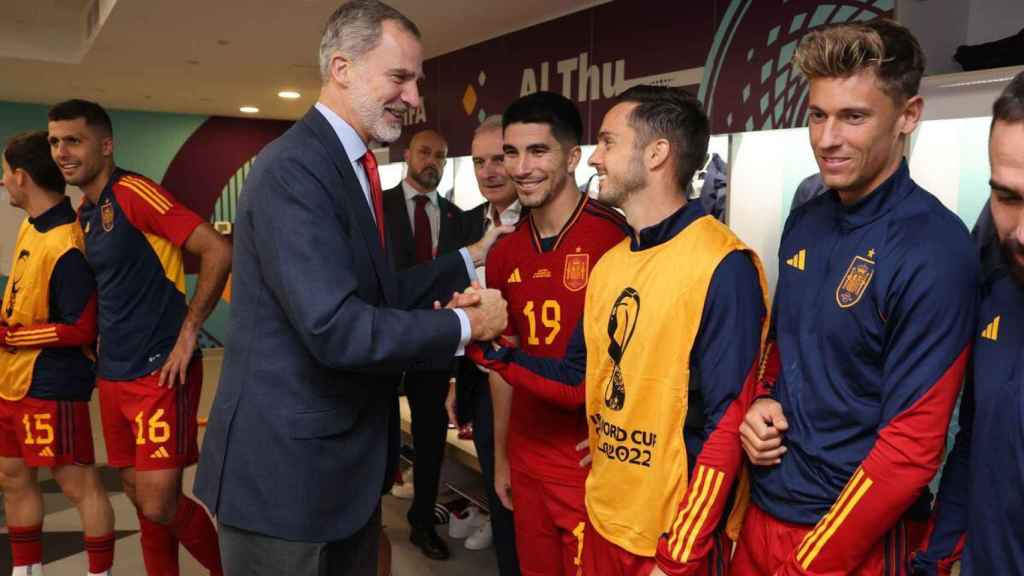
(303, 434)
(401, 242)
(473, 223)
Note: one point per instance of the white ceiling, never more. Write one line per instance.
(211, 56)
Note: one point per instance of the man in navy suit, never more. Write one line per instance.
(421, 223)
(303, 434)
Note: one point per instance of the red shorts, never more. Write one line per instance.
(766, 543)
(601, 557)
(149, 427)
(549, 520)
(48, 433)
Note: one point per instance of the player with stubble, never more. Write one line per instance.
(149, 368)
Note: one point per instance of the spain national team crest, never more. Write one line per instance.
(107, 216)
(855, 282)
(577, 271)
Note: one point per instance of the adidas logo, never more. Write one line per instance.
(991, 332)
(798, 259)
(46, 452)
(160, 452)
(515, 277)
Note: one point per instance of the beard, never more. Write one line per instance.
(429, 178)
(1012, 249)
(614, 191)
(377, 118)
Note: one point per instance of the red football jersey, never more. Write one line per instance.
(545, 290)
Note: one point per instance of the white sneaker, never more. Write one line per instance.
(405, 489)
(27, 570)
(462, 526)
(482, 539)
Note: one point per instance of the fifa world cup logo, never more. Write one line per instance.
(17, 273)
(621, 325)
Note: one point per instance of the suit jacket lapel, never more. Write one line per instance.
(354, 198)
(405, 250)
(447, 236)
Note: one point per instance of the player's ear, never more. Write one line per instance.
(107, 145)
(575, 153)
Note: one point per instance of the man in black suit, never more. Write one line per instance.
(422, 224)
(303, 434)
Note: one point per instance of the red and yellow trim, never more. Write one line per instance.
(147, 192)
(689, 523)
(24, 338)
(816, 539)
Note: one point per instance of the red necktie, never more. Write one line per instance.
(424, 242)
(376, 194)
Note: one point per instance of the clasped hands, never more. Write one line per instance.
(486, 309)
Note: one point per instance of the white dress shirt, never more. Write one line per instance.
(355, 149)
(433, 209)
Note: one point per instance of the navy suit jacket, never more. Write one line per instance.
(303, 435)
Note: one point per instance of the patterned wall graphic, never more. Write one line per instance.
(734, 53)
(224, 209)
(207, 174)
(749, 83)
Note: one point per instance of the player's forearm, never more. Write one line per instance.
(56, 335)
(684, 548)
(554, 391)
(905, 458)
(501, 401)
(214, 267)
(949, 518)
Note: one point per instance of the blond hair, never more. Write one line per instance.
(882, 46)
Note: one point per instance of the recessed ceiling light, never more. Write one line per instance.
(289, 94)
(249, 110)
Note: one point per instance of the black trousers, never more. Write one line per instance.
(501, 517)
(426, 392)
(245, 553)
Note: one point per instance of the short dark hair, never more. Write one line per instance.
(549, 108)
(675, 115)
(883, 46)
(30, 151)
(355, 28)
(1009, 107)
(93, 113)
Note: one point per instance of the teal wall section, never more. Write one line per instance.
(144, 142)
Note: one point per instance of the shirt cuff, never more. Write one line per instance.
(470, 268)
(466, 333)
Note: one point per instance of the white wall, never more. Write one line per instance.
(940, 26)
(943, 25)
(764, 171)
(993, 20)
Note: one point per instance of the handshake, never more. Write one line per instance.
(486, 309)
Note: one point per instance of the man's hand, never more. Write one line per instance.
(181, 355)
(478, 252)
(588, 457)
(657, 571)
(761, 432)
(488, 319)
(449, 405)
(503, 482)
